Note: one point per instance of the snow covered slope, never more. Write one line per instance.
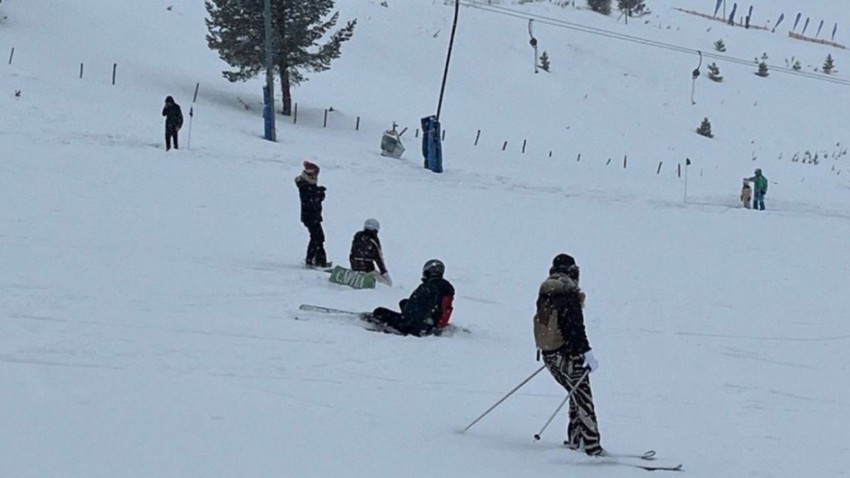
(148, 300)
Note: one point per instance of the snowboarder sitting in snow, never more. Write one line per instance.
(428, 309)
(366, 251)
(746, 194)
(760, 183)
(173, 121)
(560, 336)
(312, 196)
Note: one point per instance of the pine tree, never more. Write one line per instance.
(762, 72)
(797, 66)
(714, 73)
(705, 128)
(236, 31)
(829, 65)
(544, 61)
(720, 46)
(631, 7)
(600, 6)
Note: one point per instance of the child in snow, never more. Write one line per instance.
(746, 194)
(312, 196)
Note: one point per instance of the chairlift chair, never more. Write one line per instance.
(391, 144)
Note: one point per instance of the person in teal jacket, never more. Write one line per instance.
(759, 189)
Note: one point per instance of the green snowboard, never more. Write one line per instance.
(353, 279)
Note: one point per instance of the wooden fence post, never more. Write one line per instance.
(357, 126)
(478, 135)
(523, 145)
(81, 71)
(11, 55)
(295, 114)
(578, 158)
(114, 71)
(325, 122)
(658, 171)
(625, 160)
(505, 145)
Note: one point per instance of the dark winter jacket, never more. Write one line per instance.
(429, 306)
(312, 196)
(559, 321)
(173, 116)
(366, 251)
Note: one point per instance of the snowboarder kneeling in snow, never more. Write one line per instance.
(312, 196)
(746, 194)
(560, 336)
(428, 309)
(366, 251)
(173, 121)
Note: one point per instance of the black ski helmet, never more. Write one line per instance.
(433, 269)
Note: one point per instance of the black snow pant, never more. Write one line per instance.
(397, 322)
(170, 134)
(316, 248)
(582, 429)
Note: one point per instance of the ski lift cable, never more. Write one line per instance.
(643, 41)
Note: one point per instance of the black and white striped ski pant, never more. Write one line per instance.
(582, 429)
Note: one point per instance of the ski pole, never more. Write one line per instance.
(503, 398)
(563, 402)
(192, 115)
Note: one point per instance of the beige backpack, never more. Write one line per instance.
(547, 335)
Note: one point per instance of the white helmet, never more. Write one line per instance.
(372, 225)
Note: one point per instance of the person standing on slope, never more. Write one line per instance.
(312, 195)
(560, 336)
(173, 121)
(366, 251)
(429, 308)
(760, 183)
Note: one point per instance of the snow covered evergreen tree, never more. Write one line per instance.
(600, 6)
(714, 73)
(829, 65)
(631, 7)
(763, 70)
(705, 128)
(720, 46)
(236, 31)
(544, 61)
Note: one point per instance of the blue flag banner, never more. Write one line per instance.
(797, 21)
(806, 25)
(432, 148)
(732, 15)
(834, 29)
(781, 17)
(819, 28)
(717, 7)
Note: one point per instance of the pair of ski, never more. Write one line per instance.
(364, 316)
(612, 458)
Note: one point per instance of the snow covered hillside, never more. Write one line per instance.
(149, 321)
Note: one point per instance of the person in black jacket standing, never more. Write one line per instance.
(173, 121)
(312, 195)
(561, 338)
(429, 308)
(366, 251)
